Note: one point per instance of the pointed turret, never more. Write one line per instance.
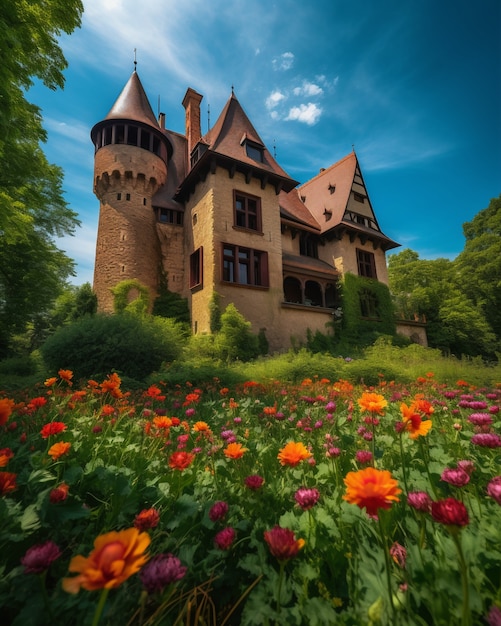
(133, 104)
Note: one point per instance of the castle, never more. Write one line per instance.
(217, 214)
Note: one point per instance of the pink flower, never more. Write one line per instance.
(487, 440)
(480, 419)
(494, 617)
(399, 554)
(160, 571)
(254, 482)
(494, 489)
(419, 500)
(363, 457)
(307, 498)
(450, 512)
(466, 466)
(225, 538)
(39, 557)
(218, 511)
(456, 477)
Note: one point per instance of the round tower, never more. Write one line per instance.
(130, 165)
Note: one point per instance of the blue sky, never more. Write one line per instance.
(414, 86)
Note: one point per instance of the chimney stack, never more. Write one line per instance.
(191, 104)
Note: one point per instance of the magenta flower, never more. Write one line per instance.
(399, 554)
(494, 489)
(160, 571)
(225, 538)
(455, 476)
(480, 419)
(363, 457)
(254, 482)
(218, 511)
(419, 500)
(487, 440)
(466, 466)
(307, 498)
(494, 617)
(450, 512)
(39, 557)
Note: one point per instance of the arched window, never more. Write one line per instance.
(331, 296)
(292, 290)
(369, 304)
(313, 293)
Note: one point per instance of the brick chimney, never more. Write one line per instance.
(191, 104)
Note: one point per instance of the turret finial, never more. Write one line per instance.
(135, 59)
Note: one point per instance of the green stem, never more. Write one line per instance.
(45, 596)
(466, 615)
(387, 566)
(404, 469)
(279, 586)
(100, 607)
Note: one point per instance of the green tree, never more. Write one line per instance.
(32, 208)
(235, 339)
(478, 267)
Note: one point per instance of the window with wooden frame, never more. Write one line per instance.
(244, 266)
(247, 211)
(366, 264)
(196, 268)
(308, 245)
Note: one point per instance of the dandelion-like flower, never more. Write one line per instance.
(160, 571)
(293, 453)
(282, 543)
(39, 557)
(116, 557)
(371, 489)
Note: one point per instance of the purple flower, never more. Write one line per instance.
(455, 476)
(333, 452)
(419, 500)
(254, 482)
(494, 489)
(225, 538)
(466, 466)
(39, 557)
(160, 571)
(218, 511)
(480, 419)
(487, 440)
(306, 498)
(494, 617)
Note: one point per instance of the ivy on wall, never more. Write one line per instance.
(122, 300)
(367, 307)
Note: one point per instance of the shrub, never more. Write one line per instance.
(235, 339)
(130, 345)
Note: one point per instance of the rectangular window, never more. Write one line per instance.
(170, 216)
(244, 266)
(359, 197)
(196, 268)
(366, 264)
(247, 211)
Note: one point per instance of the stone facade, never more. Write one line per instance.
(217, 214)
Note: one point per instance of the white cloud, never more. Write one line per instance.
(308, 89)
(274, 99)
(306, 113)
(284, 62)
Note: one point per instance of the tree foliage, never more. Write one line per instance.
(460, 299)
(32, 208)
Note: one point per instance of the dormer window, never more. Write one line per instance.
(253, 149)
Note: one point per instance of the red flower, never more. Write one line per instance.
(254, 482)
(181, 460)
(147, 518)
(59, 493)
(5, 455)
(450, 512)
(225, 538)
(52, 428)
(282, 543)
(7, 482)
(218, 511)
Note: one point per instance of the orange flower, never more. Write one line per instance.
(58, 449)
(50, 381)
(234, 451)
(107, 409)
(7, 482)
(413, 423)
(5, 455)
(200, 427)
(343, 386)
(372, 402)
(162, 422)
(423, 406)
(66, 375)
(293, 453)
(270, 410)
(181, 460)
(147, 518)
(233, 404)
(6, 408)
(116, 557)
(371, 489)
(59, 493)
(112, 385)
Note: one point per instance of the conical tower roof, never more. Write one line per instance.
(133, 104)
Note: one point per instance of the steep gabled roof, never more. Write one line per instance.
(293, 210)
(133, 104)
(228, 135)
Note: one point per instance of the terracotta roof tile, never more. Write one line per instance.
(291, 208)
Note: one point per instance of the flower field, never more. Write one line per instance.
(319, 503)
